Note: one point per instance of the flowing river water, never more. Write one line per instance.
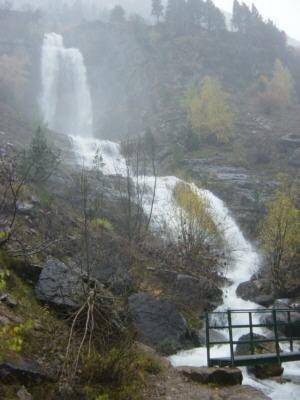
(67, 108)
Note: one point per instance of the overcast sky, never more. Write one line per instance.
(285, 13)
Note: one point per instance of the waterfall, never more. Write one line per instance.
(66, 104)
(66, 101)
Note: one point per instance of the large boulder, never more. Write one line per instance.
(282, 318)
(295, 158)
(159, 323)
(258, 291)
(262, 371)
(112, 273)
(60, 285)
(216, 376)
(24, 371)
(291, 140)
(203, 293)
(185, 290)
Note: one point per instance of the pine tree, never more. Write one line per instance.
(236, 15)
(195, 12)
(214, 19)
(117, 15)
(241, 17)
(176, 13)
(157, 9)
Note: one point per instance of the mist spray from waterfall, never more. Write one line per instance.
(67, 108)
(66, 100)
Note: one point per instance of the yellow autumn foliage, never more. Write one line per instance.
(209, 112)
(277, 92)
(196, 221)
(280, 234)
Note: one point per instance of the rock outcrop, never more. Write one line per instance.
(282, 318)
(263, 371)
(257, 290)
(185, 290)
(216, 376)
(59, 285)
(202, 292)
(23, 370)
(159, 323)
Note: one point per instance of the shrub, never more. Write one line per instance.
(42, 158)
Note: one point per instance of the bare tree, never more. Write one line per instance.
(139, 188)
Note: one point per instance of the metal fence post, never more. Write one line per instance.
(291, 332)
(207, 338)
(276, 336)
(251, 333)
(230, 337)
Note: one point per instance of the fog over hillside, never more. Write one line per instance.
(142, 6)
(91, 9)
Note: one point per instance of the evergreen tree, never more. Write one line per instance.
(117, 15)
(195, 12)
(157, 9)
(214, 19)
(241, 17)
(175, 14)
(236, 15)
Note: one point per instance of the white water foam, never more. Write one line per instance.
(75, 118)
(66, 101)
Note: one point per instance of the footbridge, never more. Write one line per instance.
(276, 325)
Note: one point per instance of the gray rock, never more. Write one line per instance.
(256, 290)
(295, 158)
(291, 140)
(158, 322)
(23, 370)
(282, 319)
(59, 285)
(214, 336)
(8, 300)
(202, 293)
(113, 274)
(216, 376)
(24, 207)
(263, 371)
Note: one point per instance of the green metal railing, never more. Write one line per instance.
(274, 325)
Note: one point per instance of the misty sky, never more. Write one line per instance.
(285, 13)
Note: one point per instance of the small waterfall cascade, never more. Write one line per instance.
(66, 105)
(66, 101)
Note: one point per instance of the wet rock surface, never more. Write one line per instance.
(23, 370)
(158, 322)
(256, 290)
(172, 385)
(185, 289)
(202, 293)
(243, 191)
(293, 328)
(59, 285)
(217, 376)
(263, 371)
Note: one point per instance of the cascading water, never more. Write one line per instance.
(64, 74)
(66, 101)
